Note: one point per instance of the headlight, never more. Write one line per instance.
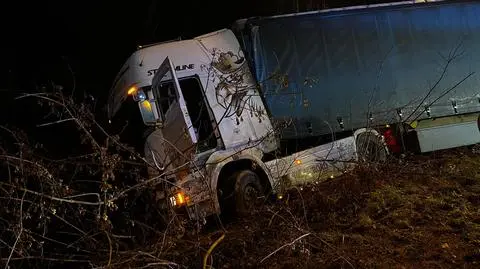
(139, 95)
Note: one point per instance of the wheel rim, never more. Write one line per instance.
(370, 150)
(250, 195)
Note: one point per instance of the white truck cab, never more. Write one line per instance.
(216, 131)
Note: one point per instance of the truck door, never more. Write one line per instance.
(177, 129)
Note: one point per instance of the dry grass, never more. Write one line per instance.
(420, 212)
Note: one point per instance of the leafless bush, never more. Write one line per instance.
(57, 207)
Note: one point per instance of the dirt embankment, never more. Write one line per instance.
(421, 212)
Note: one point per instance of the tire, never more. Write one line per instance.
(478, 122)
(247, 190)
(370, 148)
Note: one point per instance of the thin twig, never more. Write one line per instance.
(330, 246)
(21, 160)
(46, 259)
(56, 198)
(69, 112)
(286, 245)
(167, 263)
(452, 56)
(19, 233)
(447, 91)
(69, 224)
(8, 246)
(83, 194)
(55, 122)
(303, 205)
(110, 249)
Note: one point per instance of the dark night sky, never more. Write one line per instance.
(96, 37)
(41, 39)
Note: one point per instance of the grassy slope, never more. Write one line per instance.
(421, 212)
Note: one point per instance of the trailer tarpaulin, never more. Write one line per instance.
(362, 66)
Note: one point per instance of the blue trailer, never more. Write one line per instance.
(348, 68)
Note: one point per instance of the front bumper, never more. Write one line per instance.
(192, 195)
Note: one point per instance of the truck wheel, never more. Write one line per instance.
(371, 148)
(247, 192)
(478, 122)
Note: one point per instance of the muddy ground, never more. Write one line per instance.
(413, 212)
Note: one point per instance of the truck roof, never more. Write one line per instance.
(141, 65)
(240, 23)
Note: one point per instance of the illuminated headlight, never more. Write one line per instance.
(139, 95)
(179, 199)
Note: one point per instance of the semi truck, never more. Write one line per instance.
(240, 114)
